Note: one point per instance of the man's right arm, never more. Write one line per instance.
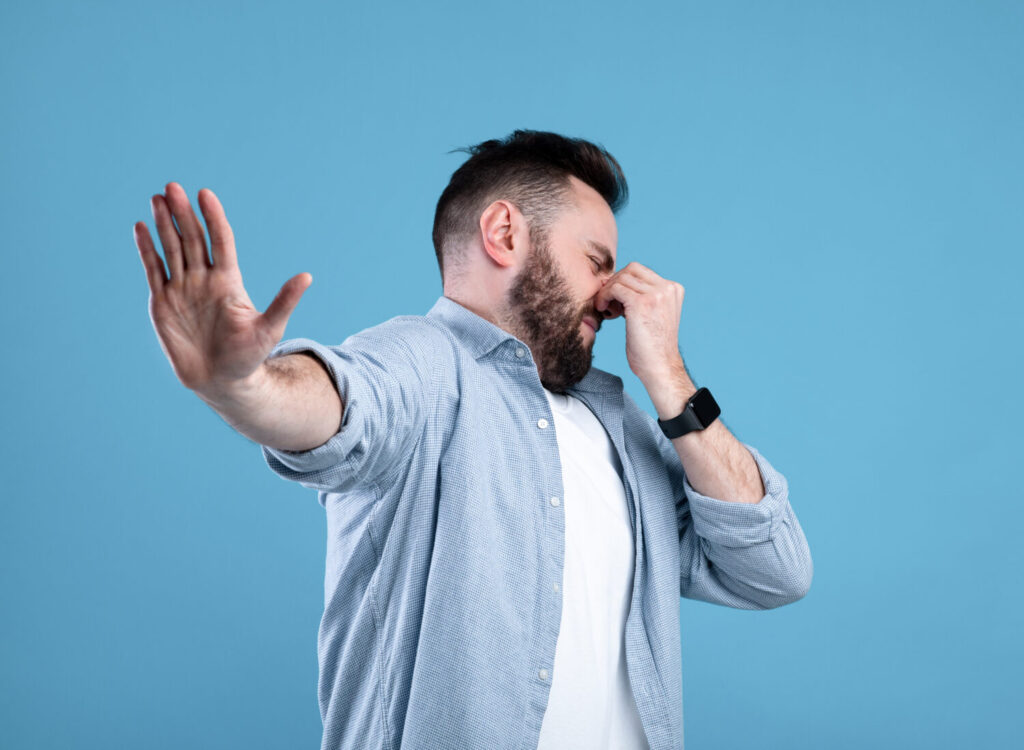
(218, 343)
(289, 403)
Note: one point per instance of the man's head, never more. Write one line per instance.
(525, 236)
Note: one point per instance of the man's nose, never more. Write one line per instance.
(607, 312)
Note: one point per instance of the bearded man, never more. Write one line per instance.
(509, 533)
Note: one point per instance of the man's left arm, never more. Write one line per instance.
(721, 474)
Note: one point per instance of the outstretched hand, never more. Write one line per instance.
(208, 327)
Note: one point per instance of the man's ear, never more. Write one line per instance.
(504, 232)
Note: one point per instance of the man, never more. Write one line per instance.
(508, 532)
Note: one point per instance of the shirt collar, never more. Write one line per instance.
(480, 336)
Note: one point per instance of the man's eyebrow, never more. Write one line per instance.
(609, 262)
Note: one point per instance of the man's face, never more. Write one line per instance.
(551, 301)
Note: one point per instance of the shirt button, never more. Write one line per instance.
(554, 501)
(520, 352)
(555, 586)
(542, 423)
(543, 674)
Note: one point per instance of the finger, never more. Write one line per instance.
(169, 238)
(192, 237)
(637, 283)
(632, 271)
(615, 304)
(640, 271)
(613, 290)
(277, 314)
(614, 310)
(222, 239)
(150, 258)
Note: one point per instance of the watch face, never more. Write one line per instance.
(705, 408)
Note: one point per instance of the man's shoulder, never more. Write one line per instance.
(422, 336)
(403, 325)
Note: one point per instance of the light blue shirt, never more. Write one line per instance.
(445, 535)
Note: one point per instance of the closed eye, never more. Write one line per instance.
(597, 263)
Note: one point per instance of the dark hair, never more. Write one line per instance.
(531, 169)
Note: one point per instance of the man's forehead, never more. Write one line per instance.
(590, 201)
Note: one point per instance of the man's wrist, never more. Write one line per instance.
(239, 392)
(670, 393)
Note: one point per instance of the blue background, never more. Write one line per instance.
(839, 187)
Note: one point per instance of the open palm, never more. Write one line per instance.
(208, 327)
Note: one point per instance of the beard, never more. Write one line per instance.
(541, 313)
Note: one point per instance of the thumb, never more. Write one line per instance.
(277, 314)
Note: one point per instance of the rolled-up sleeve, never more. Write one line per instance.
(385, 378)
(743, 555)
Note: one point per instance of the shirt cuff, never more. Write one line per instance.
(736, 524)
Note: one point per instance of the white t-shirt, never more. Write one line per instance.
(591, 704)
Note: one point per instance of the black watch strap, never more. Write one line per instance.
(701, 410)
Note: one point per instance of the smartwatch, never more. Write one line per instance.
(701, 410)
